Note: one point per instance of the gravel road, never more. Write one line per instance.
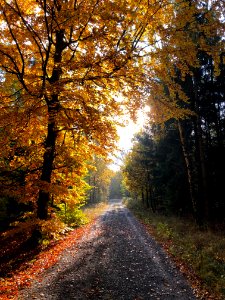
(117, 260)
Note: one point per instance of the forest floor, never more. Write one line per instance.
(116, 259)
(21, 262)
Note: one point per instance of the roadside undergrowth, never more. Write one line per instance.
(22, 277)
(200, 255)
(93, 211)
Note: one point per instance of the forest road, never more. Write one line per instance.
(116, 260)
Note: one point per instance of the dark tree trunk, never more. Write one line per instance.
(202, 203)
(202, 209)
(152, 198)
(50, 143)
(187, 160)
(147, 197)
(142, 196)
(47, 168)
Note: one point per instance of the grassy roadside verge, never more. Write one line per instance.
(200, 255)
(93, 211)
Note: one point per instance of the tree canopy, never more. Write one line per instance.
(187, 99)
(69, 69)
(62, 65)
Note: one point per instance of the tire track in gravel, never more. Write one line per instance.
(117, 260)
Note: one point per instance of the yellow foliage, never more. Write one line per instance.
(62, 63)
(52, 228)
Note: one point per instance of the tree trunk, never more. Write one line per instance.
(147, 197)
(49, 155)
(152, 197)
(202, 208)
(142, 196)
(50, 143)
(188, 166)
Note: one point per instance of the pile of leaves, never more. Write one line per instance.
(21, 264)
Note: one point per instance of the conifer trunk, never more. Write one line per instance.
(142, 196)
(188, 166)
(202, 203)
(203, 188)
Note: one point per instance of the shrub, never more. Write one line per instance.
(72, 216)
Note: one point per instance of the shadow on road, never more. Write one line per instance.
(117, 260)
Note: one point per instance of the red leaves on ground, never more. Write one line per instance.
(9, 287)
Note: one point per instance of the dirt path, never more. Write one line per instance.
(117, 260)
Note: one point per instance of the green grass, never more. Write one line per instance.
(202, 252)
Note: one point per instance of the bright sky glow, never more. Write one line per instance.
(127, 133)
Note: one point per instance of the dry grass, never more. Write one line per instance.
(95, 210)
(201, 252)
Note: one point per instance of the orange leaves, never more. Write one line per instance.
(52, 228)
(98, 39)
(9, 287)
(182, 31)
(83, 54)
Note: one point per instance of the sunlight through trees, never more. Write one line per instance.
(63, 65)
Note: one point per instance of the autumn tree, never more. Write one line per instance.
(116, 186)
(63, 65)
(99, 179)
(67, 68)
(186, 69)
(138, 169)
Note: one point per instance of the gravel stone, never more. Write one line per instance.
(116, 260)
